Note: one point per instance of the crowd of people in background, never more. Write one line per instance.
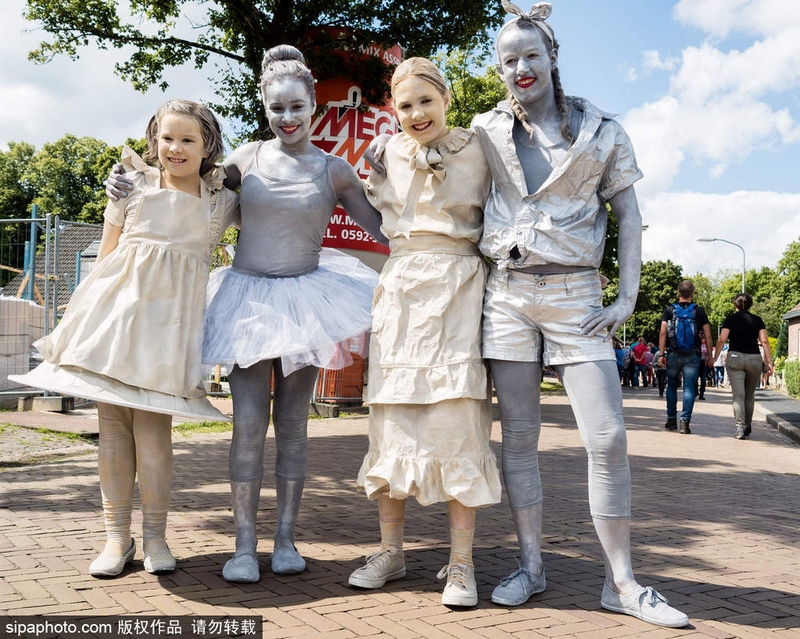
(654, 375)
(687, 358)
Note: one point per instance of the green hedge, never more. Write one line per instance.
(791, 373)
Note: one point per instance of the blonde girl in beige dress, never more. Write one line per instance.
(131, 337)
(430, 410)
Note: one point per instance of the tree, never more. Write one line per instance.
(471, 94)
(16, 193)
(235, 33)
(67, 177)
(768, 303)
(782, 345)
(657, 288)
(789, 276)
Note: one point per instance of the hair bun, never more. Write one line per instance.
(281, 53)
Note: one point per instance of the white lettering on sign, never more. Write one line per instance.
(346, 129)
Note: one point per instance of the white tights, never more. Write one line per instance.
(133, 441)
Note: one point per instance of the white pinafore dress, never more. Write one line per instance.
(132, 333)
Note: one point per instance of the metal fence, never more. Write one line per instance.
(43, 259)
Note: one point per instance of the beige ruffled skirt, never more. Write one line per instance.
(433, 452)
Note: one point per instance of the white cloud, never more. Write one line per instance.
(720, 17)
(722, 106)
(652, 61)
(655, 130)
(42, 103)
(767, 65)
(763, 223)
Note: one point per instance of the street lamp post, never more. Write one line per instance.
(719, 239)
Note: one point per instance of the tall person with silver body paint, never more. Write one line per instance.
(556, 161)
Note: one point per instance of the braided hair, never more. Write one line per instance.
(561, 100)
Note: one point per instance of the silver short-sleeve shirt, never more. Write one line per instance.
(564, 221)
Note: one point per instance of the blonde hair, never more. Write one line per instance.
(558, 91)
(209, 127)
(285, 61)
(424, 69)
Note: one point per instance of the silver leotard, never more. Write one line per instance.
(307, 301)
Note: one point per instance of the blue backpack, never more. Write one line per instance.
(681, 329)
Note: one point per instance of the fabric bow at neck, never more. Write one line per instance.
(424, 163)
(428, 160)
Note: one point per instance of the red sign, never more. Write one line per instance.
(346, 128)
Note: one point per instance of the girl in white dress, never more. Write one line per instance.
(430, 408)
(131, 337)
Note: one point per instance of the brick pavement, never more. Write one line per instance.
(716, 529)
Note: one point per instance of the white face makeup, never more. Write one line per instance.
(525, 64)
(181, 149)
(289, 109)
(421, 109)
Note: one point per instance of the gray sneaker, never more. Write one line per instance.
(461, 589)
(518, 587)
(385, 565)
(645, 604)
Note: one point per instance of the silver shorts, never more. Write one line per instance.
(536, 318)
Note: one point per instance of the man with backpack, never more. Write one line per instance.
(682, 324)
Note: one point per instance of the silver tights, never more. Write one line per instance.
(596, 398)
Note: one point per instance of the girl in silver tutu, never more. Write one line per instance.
(285, 305)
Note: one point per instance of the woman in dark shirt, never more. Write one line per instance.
(744, 360)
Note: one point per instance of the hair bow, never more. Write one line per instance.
(538, 13)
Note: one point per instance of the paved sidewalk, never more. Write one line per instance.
(716, 529)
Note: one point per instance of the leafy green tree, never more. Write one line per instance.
(657, 288)
(789, 276)
(718, 303)
(67, 177)
(16, 193)
(235, 33)
(471, 94)
(768, 303)
(782, 345)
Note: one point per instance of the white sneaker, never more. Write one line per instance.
(645, 604)
(385, 565)
(461, 589)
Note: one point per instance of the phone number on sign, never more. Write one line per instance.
(356, 234)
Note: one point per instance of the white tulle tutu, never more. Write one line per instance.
(302, 320)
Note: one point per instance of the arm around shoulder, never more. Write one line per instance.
(237, 163)
(350, 192)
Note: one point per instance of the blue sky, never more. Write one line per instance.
(709, 91)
